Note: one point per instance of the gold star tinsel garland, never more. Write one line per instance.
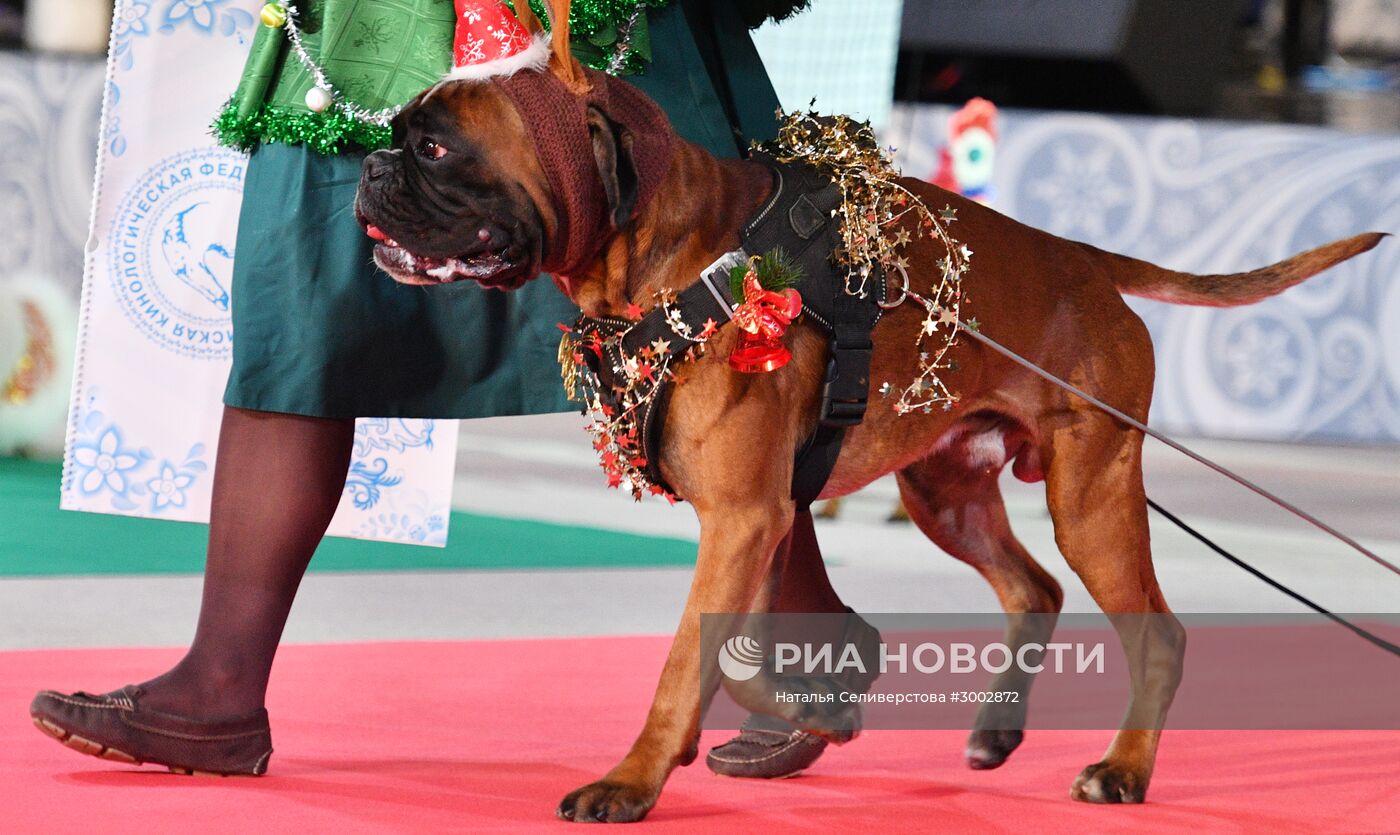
(636, 380)
(877, 214)
(616, 425)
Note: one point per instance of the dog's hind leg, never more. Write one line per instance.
(1096, 498)
(961, 509)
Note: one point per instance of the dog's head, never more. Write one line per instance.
(497, 180)
(460, 194)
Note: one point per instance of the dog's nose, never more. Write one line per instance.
(378, 164)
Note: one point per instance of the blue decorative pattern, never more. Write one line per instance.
(430, 529)
(366, 481)
(198, 13)
(103, 464)
(369, 477)
(169, 488)
(393, 435)
(131, 21)
(1321, 362)
(408, 518)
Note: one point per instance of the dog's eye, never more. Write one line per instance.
(429, 149)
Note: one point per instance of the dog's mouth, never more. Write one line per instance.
(502, 268)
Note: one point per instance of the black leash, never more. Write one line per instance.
(1206, 541)
(1179, 447)
(1141, 427)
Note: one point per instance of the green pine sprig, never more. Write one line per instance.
(776, 272)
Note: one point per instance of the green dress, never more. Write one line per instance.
(319, 330)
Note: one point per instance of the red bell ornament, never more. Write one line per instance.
(763, 318)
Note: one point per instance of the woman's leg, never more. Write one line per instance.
(802, 584)
(277, 481)
(768, 747)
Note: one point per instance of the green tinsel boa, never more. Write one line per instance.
(330, 132)
(596, 27)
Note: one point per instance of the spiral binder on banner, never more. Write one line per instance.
(75, 400)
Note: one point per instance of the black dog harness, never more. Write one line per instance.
(801, 218)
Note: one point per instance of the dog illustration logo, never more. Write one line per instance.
(170, 251)
(200, 268)
(741, 658)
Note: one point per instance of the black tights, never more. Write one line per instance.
(277, 481)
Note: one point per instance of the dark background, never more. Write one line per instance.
(1248, 59)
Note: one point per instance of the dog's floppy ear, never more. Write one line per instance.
(612, 149)
(561, 58)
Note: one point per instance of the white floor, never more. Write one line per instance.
(543, 468)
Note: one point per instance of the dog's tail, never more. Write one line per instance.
(1139, 278)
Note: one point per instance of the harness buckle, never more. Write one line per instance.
(845, 394)
(716, 279)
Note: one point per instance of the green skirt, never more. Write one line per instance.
(320, 331)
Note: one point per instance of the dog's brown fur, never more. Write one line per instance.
(730, 437)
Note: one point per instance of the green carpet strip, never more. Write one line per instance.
(37, 539)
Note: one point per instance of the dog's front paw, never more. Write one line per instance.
(607, 801)
(1106, 782)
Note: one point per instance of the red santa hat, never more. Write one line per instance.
(555, 104)
(491, 42)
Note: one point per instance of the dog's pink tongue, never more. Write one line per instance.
(378, 234)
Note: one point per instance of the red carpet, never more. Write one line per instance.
(488, 736)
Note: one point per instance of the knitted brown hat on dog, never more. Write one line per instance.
(557, 119)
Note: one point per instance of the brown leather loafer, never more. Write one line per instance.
(769, 748)
(766, 749)
(115, 727)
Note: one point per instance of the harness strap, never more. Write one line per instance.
(706, 301)
(845, 395)
(800, 217)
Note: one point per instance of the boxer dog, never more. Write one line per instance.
(467, 193)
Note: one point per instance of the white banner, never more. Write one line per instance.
(155, 341)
